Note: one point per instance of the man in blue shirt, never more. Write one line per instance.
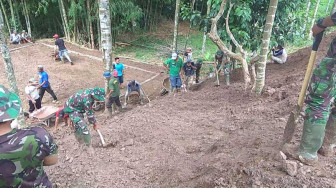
(134, 86)
(44, 84)
(120, 68)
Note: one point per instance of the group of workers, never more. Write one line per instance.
(24, 152)
(176, 68)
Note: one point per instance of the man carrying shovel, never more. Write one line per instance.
(319, 129)
(80, 103)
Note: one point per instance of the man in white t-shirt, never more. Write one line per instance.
(279, 54)
(33, 95)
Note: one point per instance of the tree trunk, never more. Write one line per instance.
(26, 15)
(63, 22)
(190, 24)
(90, 24)
(12, 14)
(106, 38)
(306, 16)
(261, 66)
(9, 68)
(213, 35)
(328, 6)
(6, 19)
(177, 10)
(313, 20)
(67, 33)
(206, 28)
(334, 8)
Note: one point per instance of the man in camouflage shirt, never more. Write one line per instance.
(319, 129)
(81, 103)
(23, 152)
(222, 62)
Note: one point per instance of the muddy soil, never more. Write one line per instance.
(212, 137)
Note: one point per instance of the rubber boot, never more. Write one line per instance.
(311, 141)
(227, 79)
(329, 141)
(109, 110)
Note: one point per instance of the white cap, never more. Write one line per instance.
(40, 66)
(174, 56)
(32, 80)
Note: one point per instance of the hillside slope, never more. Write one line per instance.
(216, 136)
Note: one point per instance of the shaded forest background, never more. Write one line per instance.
(78, 20)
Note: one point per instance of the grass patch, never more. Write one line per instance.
(147, 48)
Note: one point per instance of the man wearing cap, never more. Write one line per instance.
(221, 57)
(25, 38)
(134, 86)
(189, 72)
(174, 66)
(199, 63)
(33, 95)
(60, 45)
(113, 91)
(23, 152)
(44, 84)
(80, 103)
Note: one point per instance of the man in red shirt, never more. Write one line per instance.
(61, 115)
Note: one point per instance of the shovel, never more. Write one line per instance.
(295, 114)
(105, 145)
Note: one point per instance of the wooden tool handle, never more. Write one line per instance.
(317, 41)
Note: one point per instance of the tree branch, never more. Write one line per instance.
(213, 35)
(229, 31)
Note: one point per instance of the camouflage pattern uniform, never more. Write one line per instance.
(81, 103)
(321, 92)
(22, 151)
(220, 57)
(21, 157)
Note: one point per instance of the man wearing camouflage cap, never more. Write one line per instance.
(222, 62)
(23, 152)
(80, 103)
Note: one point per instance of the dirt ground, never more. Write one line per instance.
(66, 79)
(213, 137)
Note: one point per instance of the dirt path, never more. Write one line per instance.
(216, 136)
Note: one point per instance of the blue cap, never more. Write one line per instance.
(107, 74)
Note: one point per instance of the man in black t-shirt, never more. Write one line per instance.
(189, 72)
(59, 43)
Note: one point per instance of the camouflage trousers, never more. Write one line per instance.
(321, 92)
(82, 133)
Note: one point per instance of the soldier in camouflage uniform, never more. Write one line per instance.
(81, 103)
(23, 152)
(319, 130)
(219, 65)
